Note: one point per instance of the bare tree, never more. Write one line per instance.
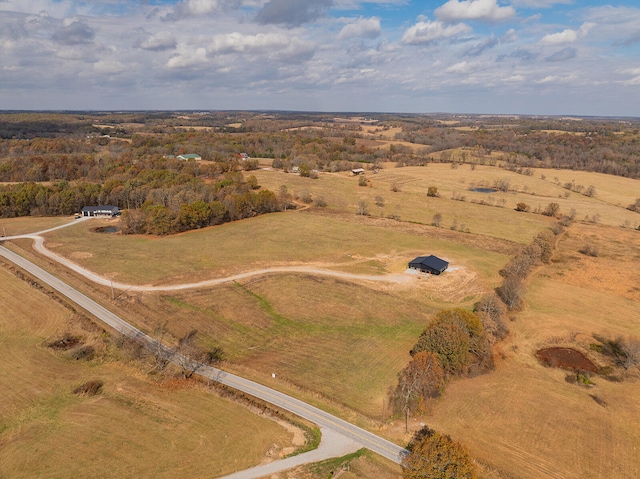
(191, 357)
(630, 348)
(420, 380)
(551, 209)
(492, 313)
(380, 204)
(512, 292)
(363, 208)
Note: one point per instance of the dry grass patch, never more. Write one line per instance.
(48, 431)
(527, 420)
(608, 269)
(30, 224)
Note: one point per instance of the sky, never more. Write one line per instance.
(538, 57)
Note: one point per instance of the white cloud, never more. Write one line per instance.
(159, 42)
(481, 10)
(202, 7)
(188, 59)
(633, 82)
(362, 27)
(463, 67)
(540, 3)
(557, 79)
(238, 43)
(109, 67)
(428, 32)
(509, 37)
(567, 36)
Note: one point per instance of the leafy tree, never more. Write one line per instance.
(433, 191)
(457, 338)
(436, 456)
(522, 207)
(252, 181)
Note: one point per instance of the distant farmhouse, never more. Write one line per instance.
(190, 156)
(357, 171)
(429, 264)
(103, 211)
(356, 119)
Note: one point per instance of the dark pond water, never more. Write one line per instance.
(108, 229)
(484, 190)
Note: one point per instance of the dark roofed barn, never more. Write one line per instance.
(429, 264)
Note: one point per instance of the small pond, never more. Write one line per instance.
(108, 229)
(566, 358)
(484, 190)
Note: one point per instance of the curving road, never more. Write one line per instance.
(321, 418)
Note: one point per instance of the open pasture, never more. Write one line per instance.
(30, 224)
(489, 214)
(411, 203)
(524, 419)
(133, 428)
(288, 238)
(341, 341)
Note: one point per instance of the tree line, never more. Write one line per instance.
(161, 196)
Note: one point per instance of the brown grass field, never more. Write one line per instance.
(339, 344)
(134, 428)
(526, 420)
(29, 224)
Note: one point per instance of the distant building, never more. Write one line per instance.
(429, 264)
(104, 211)
(190, 156)
(357, 171)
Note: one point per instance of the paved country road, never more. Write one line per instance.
(321, 418)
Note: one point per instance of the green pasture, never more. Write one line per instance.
(269, 240)
(343, 341)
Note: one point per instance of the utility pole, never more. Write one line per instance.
(112, 295)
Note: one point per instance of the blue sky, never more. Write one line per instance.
(548, 57)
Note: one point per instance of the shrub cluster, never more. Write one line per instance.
(519, 267)
(436, 456)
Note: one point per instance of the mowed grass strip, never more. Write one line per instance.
(133, 428)
(269, 240)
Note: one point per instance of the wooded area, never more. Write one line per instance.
(56, 163)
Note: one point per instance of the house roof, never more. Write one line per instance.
(432, 262)
(111, 208)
